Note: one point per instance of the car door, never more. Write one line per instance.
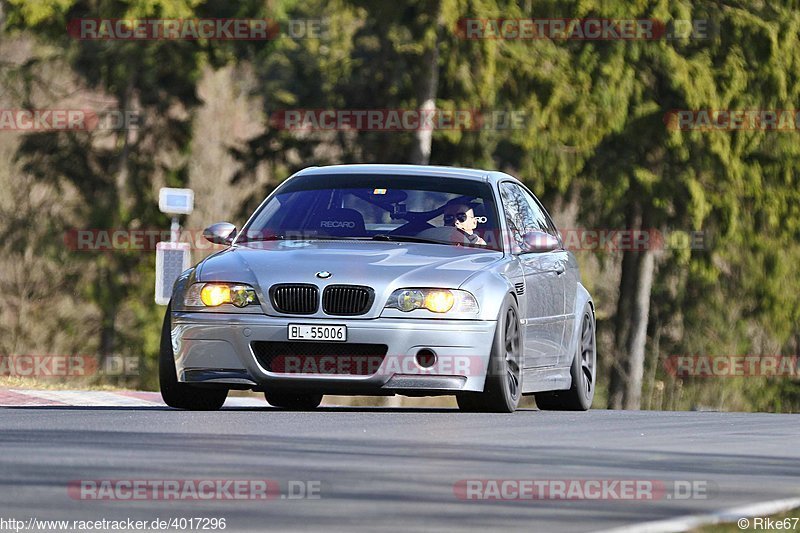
(567, 269)
(543, 294)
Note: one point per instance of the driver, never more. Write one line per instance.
(462, 217)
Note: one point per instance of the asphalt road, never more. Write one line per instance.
(393, 469)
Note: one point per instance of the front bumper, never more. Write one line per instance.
(215, 349)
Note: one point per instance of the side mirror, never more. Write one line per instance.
(539, 241)
(220, 233)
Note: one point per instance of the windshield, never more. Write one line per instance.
(430, 209)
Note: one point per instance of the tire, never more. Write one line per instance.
(182, 395)
(503, 388)
(583, 371)
(293, 401)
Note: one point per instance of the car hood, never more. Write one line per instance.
(384, 266)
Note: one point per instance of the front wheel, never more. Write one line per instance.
(580, 395)
(177, 394)
(503, 387)
(293, 401)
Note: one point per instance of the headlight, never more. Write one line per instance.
(434, 300)
(216, 294)
(213, 295)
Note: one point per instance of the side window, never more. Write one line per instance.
(537, 221)
(553, 229)
(543, 219)
(519, 217)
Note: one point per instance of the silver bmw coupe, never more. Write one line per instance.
(384, 280)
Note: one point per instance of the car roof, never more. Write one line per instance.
(409, 170)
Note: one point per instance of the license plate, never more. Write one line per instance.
(309, 332)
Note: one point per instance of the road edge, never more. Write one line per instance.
(685, 523)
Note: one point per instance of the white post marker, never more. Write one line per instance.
(172, 257)
(175, 201)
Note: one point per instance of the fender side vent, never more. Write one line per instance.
(520, 288)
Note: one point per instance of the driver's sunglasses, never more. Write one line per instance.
(461, 217)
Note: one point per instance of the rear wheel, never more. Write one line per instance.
(182, 395)
(578, 397)
(293, 401)
(503, 387)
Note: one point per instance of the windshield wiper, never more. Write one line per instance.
(262, 238)
(405, 238)
(379, 237)
(411, 238)
(333, 238)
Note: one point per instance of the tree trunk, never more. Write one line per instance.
(633, 307)
(619, 373)
(108, 313)
(656, 361)
(637, 339)
(421, 151)
(112, 292)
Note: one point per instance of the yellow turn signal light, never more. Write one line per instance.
(213, 295)
(439, 301)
